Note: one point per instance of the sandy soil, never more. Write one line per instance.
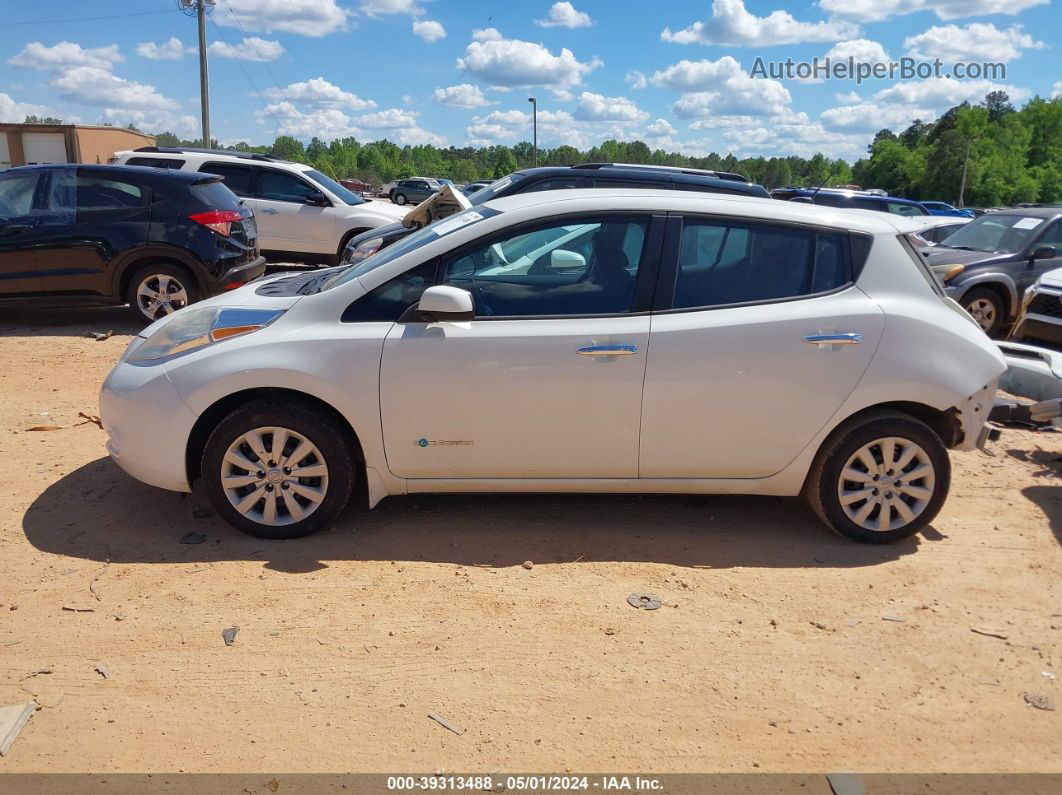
(774, 651)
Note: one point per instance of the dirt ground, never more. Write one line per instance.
(780, 647)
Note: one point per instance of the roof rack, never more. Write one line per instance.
(178, 150)
(728, 175)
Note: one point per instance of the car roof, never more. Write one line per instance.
(869, 221)
(237, 156)
(140, 172)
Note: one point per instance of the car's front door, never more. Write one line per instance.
(1035, 268)
(546, 381)
(19, 196)
(758, 339)
(280, 199)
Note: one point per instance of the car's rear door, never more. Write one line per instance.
(758, 335)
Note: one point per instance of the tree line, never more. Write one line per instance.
(978, 155)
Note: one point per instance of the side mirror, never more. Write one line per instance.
(317, 199)
(561, 260)
(1044, 252)
(441, 304)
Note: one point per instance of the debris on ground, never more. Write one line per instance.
(193, 538)
(990, 632)
(100, 336)
(528, 565)
(202, 513)
(446, 724)
(45, 428)
(1048, 674)
(90, 418)
(104, 670)
(852, 622)
(644, 601)
(610, 631)
(1039, 700)
(12, 718)
(819, 625)
(77, 609)
(41, 672)
(230, 635)
(897, 619)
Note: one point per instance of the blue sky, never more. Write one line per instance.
(675, 74)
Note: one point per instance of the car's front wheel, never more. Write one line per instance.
(986, 307)
(880, 477)
(278, 469)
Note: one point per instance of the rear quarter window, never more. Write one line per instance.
(155, 162)
(216, 195)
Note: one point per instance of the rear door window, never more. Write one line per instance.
(239, 179)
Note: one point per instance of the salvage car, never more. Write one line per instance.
(988, 264)
(303, 215)
(1041, 314)
(97, 234)
(574, 341)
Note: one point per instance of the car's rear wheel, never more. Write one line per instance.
(986, 307)
(159, 289)
(880, 477)
(278, 469)
(400, 199)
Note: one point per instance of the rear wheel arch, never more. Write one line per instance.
(128, 269)
(945, 424)
(210, 418)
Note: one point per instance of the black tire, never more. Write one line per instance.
(979, 296)
(145, 275)
(824, 480)
(315, 425)
(400, 199)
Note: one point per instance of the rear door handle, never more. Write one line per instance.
(607, 350)
(847, 338)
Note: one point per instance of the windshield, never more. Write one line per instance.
(492, 190)
(344, 195)
(1006, 234)
(407, 244)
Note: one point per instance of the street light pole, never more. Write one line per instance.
(534, 127)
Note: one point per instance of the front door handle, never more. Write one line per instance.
(847, 338)
(607, 350)
(270, 211)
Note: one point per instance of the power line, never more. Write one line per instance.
(54, 21)
(262, 60)
(254, 86)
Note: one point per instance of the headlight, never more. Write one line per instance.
(362, 251)
(948, 272)
(197, 328)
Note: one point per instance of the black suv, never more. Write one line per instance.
(155, 239)
(587, 175)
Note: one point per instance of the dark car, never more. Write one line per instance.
(988, 264)
(153, 238)
(587, 175)
(852, 199)
(414, 190)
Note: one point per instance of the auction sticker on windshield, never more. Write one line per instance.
(1028, 223)
(450, 224)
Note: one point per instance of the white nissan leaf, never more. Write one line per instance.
(578, 341)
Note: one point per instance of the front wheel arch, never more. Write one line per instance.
(210, 418)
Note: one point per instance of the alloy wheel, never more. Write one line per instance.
(983, 311)
(886, 484)
(274, 476)
(159, 295)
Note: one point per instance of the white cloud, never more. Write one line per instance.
(64, 55)
(170, 50)
(510, 118)
(851, 98)
(978, 41)
(391, 119)
(429, 30)
(942, 93)
(250, 49)
(379, 8)
(12, 111)
(319, 93)
(304, 17)
(661, 128)
(721, 88)
(862, 50)
(463, 95)
(1056, 90)
(91, 85)
(185, 125)
(564, 15)
(416, 136)
(733, 25)
(513, 63)
(877, 10)
(325, 123)
(488, 134)
(636, 79)
(871, 117)
(595, 107)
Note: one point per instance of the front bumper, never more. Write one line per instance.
(147, 425)
(1038, 327)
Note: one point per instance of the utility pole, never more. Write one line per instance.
(200, 8)
(534, 127)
